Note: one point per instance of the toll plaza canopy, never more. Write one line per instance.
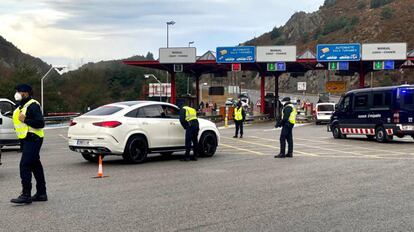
(276, 60)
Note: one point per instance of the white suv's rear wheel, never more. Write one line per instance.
(136, 150)
(207, 145)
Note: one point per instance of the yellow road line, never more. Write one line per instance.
(316, 147)
(264, 145)
(241, 149)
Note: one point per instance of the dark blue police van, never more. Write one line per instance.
(378, 113)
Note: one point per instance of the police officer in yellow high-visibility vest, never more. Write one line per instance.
(188, 119)
(287, 122)
(239, 116)
(29, 123)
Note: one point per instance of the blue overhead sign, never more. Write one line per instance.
(389, 65)
(242, 54)
(338, 52)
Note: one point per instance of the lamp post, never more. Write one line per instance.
(170, 23)
(146, 76)
(41, 84)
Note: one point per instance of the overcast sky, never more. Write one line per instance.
(72, 32)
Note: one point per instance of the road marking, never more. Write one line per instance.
(242, 149)
(64, 137)
(296, 125)
(353, 146)
(310, 146)
(264, 145)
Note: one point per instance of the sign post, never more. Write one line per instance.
(338, 52)
(265, 54)
(177, 55)
(384, 51)
(241, 54)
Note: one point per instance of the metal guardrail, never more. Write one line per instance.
(59, 119)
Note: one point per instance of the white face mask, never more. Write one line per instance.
(18, 96)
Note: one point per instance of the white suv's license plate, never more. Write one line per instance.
(83, 142)
(408, 128)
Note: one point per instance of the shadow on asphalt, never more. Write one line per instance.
(115, 160)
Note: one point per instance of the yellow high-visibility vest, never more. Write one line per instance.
(22, 128)
(238, 116)
(292, 117)
(190, 113)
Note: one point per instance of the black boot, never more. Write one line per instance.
(39, 197)
(22, 199)
(235, 136)
(241, 136)
(280, 155)
(289, 155)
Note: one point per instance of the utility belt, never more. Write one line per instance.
(32, 137)
(193, 122)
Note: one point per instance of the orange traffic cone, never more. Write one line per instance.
(100, 168)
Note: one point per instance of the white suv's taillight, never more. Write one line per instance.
(72, 123)
(107, 124)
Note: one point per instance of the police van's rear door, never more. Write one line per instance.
(405, 114)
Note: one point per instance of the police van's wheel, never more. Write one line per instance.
(336, 132)
(381, 135)
(136, 150)
(412, 136)
(94, 158)
(208, 144)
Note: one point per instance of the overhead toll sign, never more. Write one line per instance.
(385, 51)
(338, 52)
(177, 55)
(384, 65)
(339, 66)
(241, 54)
(276, 67)
(276, 53)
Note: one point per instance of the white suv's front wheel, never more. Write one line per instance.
(207, 144)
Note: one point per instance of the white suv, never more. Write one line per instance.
(134, 129)
(7, 134)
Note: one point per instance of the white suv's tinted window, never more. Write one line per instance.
(153, 111)
(6, 107)
(104, 110)
(170, 112)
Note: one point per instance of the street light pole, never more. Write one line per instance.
(168, 24)
(41, 84)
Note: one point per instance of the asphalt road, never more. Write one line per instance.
(330, 185)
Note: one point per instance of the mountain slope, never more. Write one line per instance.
(346, 21)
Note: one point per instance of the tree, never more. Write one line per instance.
(275, 33)
(379, 3)
(387, 13)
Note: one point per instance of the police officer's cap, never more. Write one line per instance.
(24, 88)
(286, 99)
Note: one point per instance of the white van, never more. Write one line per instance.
(7, 135)
(323, 112)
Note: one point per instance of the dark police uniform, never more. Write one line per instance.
(30, 133)
(239, 116)
(287, 122)
(188, 119)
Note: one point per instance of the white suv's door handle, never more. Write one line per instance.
(145, 123)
